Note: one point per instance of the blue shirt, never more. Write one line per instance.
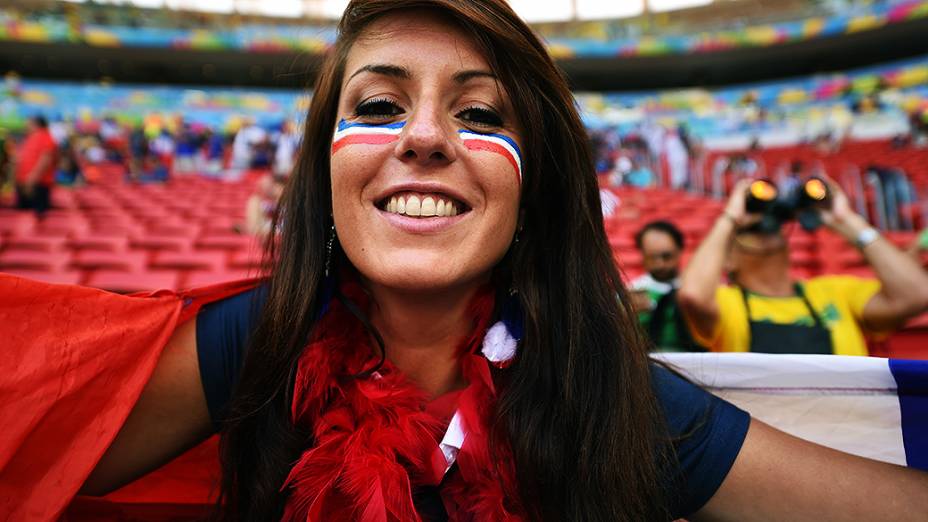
(707, 431)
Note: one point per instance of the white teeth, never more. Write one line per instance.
(413, 206)
(428, 207)
(421, 206)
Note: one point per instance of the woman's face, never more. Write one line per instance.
(425, 164)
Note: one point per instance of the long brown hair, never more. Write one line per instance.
(576, 407)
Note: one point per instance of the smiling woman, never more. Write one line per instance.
(440, 336)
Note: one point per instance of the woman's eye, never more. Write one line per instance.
(377, 109)
(481, 117)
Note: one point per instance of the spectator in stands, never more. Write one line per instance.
(68, 171)
(262, 204)
(895, 192)
(654, 293)
(214, 153)
(36, 161)
(678, 159)
(765, 310)
(792, 179)
(185, 153)
(243, 146)
(640, 176)
(288, 143)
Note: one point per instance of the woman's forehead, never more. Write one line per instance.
(415, 40)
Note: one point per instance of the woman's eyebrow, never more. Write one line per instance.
(394, 71)
(466, 76)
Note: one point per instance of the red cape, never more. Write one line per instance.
(73, 363)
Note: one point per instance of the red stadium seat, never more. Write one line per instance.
(34, 260)
(162, 243)
(104, 260)
(194, 260)
(229, 241)
(247, 259)
(44, 244)
(95, 241)
(128, 282)
(14, 222)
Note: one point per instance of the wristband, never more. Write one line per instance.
(866, 237)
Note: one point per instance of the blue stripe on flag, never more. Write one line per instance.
(342, 125)
(912, 380)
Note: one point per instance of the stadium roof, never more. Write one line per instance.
(531, 10)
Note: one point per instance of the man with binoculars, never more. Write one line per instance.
(763, 309)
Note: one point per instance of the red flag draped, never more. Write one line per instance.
(73, 363)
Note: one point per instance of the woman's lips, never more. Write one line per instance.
(421, 225)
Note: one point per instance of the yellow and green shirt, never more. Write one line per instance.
(839, 301)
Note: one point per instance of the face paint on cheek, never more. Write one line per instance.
(365, 134)
(497, 143)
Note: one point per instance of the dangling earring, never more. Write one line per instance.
(502, 339)
(328, 250)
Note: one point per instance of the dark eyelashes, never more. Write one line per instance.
(384, 108)
(481, 116)
(378, 107)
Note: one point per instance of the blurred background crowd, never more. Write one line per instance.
(144, 144)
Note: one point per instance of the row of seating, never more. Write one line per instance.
(128, 238)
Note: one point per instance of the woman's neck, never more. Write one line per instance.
(422, 332)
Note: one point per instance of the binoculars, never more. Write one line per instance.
(800, 202)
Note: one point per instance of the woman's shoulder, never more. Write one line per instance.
(224, 330)
(706, 431)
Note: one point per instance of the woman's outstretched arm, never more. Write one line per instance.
(169, 418)
(780, 477)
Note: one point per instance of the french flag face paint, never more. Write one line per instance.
(365, 134)
(497, 143)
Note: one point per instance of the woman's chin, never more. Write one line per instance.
(422, 278)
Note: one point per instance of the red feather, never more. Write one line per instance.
(374, 440)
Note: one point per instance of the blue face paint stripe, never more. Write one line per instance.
(343, 125)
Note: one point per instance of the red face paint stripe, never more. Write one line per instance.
(364, 139)
(492, 147)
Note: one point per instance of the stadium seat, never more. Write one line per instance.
(161, 243)
(34, 260)
(229, 241)
(97, 241)
(19, 223)
(124, 282)
(107, 260)
(63, 226)
(247, 259)
(29, 242)
(193, 260)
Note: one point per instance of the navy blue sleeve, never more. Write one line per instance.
(707, 433)
(224, 329)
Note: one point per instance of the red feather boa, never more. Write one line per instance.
(374, 441)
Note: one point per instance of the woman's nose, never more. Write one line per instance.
(426, 139)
